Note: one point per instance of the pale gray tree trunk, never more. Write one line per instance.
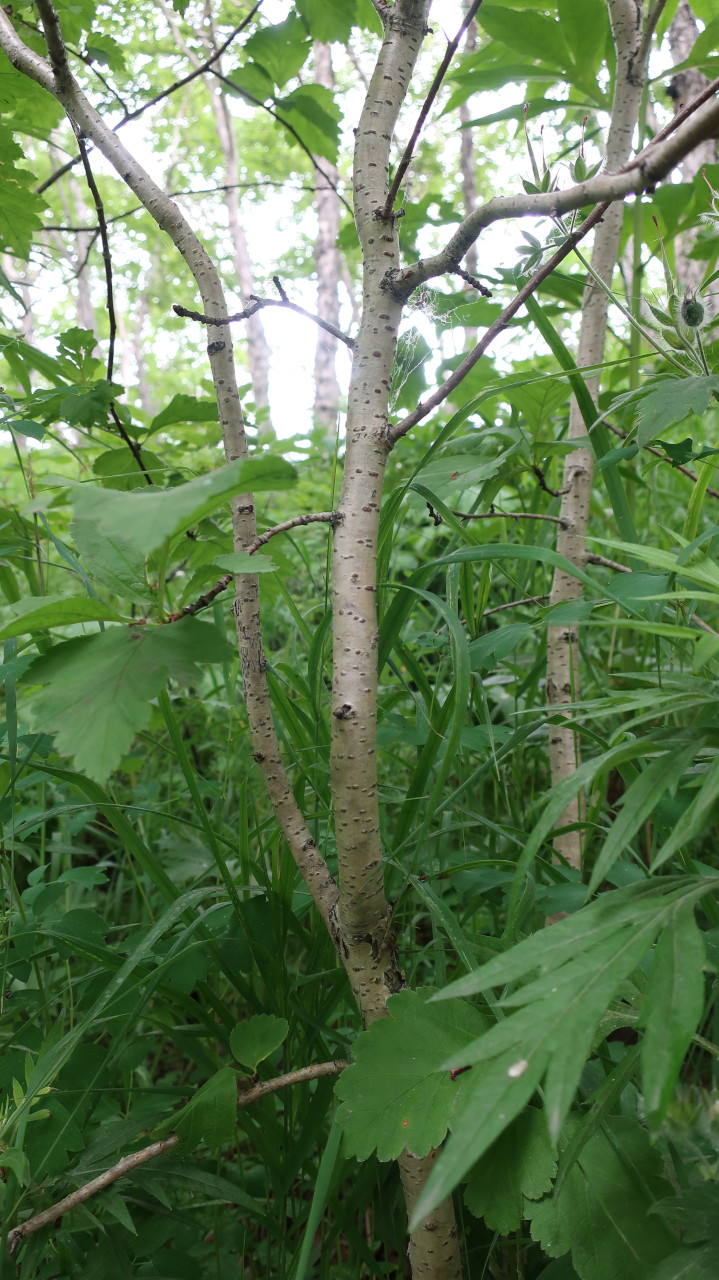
(683, 32)
(327, 266)
(258, 351)
(563, 685)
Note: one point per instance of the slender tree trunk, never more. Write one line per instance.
(562, 644)
(683, 32)
(327, 265)
(258, 351)
(364, 926)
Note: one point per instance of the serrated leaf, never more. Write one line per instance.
(601, 1211)
(211, 1115)
(254, 1040)
(313, 112)
(671, 1010)
(670, 403)
(281, 49)
(38, 613)
(97, 689)
(522, 1162)
(393, 1094)
(143, 519)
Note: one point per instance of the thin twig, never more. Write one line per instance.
(400, 429)
(649, 30)
(492, 514)
(203, 191)
(137, 1158)
(152, 102)
(316, 517)
(258, 304)
(706, 93)
(607, 564)
(663, 457)
(132, 445)
(404, 163)
(513, 604)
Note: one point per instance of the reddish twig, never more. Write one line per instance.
(315, 517)
(404, 163)
(540, 275)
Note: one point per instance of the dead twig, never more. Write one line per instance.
(257, 304)
(18, 1234)
(315, 517)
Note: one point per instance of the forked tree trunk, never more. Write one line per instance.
(563, 685)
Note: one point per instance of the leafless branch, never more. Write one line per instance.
(203, 191)
(651, 26)
(152, 102)
(445, 390)
(137, 1158)
(607, 564)
(513, 604)
(257, 304)
(316, 517)
(434, 88)
(315, 1072)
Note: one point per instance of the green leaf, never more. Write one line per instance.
(184, 408)
(695, 817)
(21, 210)
(38, 613)
(671, 1010)
(25, 427)
(328, 20)
(254, 1040)
(281, 50)
(522, 1162)
(394, 1094)
(689, 1264)
(143, 519)
(211, 1115)
(671, 401)
(98, 688)
(313, 112)
(119, 468)
(661, 777)
(530, 34)
(601, 1211)
(243, 562)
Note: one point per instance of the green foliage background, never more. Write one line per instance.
(158, 947)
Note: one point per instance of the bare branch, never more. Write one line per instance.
(663, 457)
(434, 88)
(513, 604)
(315, 1072)
(401, 428)
(257, 304)
(137, 1158)
(317, 517)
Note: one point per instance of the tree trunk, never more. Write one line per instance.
(327, 265)
(683, 32)
(562, 644)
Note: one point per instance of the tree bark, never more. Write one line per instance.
(327, 266)
(563, 684)
(683, 32)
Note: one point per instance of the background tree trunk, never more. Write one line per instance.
(327, 266)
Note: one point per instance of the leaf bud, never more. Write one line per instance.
(692, 312)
